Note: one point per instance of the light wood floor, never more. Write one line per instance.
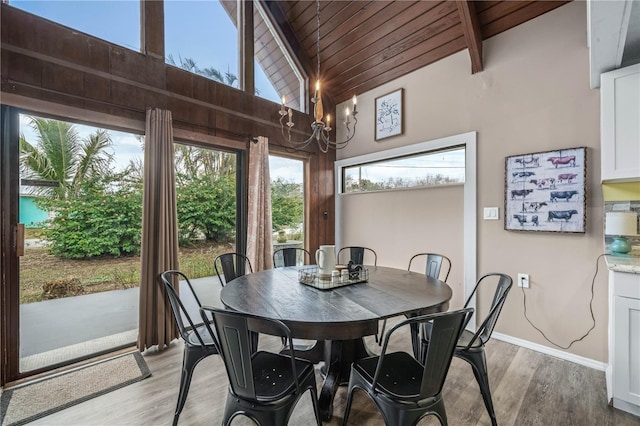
(528, 388)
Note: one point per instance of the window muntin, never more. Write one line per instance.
(114, 21)
(201, 37)
(425, 169)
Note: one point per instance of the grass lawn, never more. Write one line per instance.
(38, 267)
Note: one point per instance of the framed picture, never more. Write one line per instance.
(546, 191)
(389, 115)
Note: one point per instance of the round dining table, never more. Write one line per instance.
(339, 318)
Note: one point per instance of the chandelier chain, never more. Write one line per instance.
(320, 130)
(318, 38)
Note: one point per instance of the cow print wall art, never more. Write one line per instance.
(546, 191)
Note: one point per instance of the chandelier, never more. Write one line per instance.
(319, 130)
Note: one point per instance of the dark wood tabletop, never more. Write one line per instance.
(342, 313)
(337, 319)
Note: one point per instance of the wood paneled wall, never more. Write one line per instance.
(46, 61)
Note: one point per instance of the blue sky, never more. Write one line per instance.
(195, 29)
(198, 30)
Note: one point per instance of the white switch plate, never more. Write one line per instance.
(491, 213)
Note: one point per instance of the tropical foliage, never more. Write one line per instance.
(287, 204)
(98, 212)
(206, 208)
(64, 159)
(105, 218)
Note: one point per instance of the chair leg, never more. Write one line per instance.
(381, 338)
(189, 361)
(348, 407)
(314, 402)
(478, 362)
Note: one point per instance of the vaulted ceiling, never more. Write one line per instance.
(364, 44)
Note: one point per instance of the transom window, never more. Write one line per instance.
(114, 21)
(431, 168)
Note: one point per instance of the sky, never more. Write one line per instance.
(198, 30)
(195, 29)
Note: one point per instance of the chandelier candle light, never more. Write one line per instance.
(320, 130)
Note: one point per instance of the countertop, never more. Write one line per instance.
(624, 264)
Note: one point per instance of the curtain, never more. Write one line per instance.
(259, 230)
(159, 251)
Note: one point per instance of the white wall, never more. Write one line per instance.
(533, 96)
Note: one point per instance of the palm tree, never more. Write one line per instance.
(61, 156)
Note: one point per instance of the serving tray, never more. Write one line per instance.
(311, 277)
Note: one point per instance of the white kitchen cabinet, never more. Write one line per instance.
(620, 124)
(623, 374)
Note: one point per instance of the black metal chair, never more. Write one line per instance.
(470, 346)
(434, 264)
(264, 386)
(229, 266)
(198, 342)
(357, 255)
(403, 388)
(290, 256)
(433, 268)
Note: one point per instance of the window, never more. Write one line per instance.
(425, 169)
(201, 37)
(276, 75)
(114, 21)
(287, 201)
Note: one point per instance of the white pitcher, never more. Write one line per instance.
(326, 260)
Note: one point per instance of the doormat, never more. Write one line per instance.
(22, 404)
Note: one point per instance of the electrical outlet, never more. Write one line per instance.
(523, 280)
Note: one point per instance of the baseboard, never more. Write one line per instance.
(587, 362)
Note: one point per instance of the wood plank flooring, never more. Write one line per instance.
(528, 388)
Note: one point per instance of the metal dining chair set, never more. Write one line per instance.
(404, 386)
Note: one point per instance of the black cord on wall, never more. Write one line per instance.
(593, 318)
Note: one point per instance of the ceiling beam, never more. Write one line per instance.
(472, 34)
(279, 19)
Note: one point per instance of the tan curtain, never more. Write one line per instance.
(259, 230)
(159, 250)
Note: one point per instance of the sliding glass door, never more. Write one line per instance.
(80, 206)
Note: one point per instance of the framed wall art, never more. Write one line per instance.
(546, 191)
(389, 115)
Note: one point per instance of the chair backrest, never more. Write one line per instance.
(170, 279)
(434, 264)
(233, 339)
(290, 256)
(230, 266)
(445, 329)
(503, 283)
(356, 254)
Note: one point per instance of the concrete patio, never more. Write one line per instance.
(58, 330)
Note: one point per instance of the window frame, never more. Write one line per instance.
(343, 190)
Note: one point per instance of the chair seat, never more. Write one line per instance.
(273, 377)
(401, 374)
(204, 334)
(465, 338)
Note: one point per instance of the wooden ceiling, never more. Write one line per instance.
(364, 44)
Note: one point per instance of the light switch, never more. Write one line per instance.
(491, 213)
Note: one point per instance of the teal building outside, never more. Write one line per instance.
(30, 214)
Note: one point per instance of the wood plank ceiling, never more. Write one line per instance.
(364, 44)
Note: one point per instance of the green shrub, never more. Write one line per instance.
(207, 207)
(105, 219)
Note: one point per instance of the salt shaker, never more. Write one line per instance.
(344, 275)
(335, 277)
